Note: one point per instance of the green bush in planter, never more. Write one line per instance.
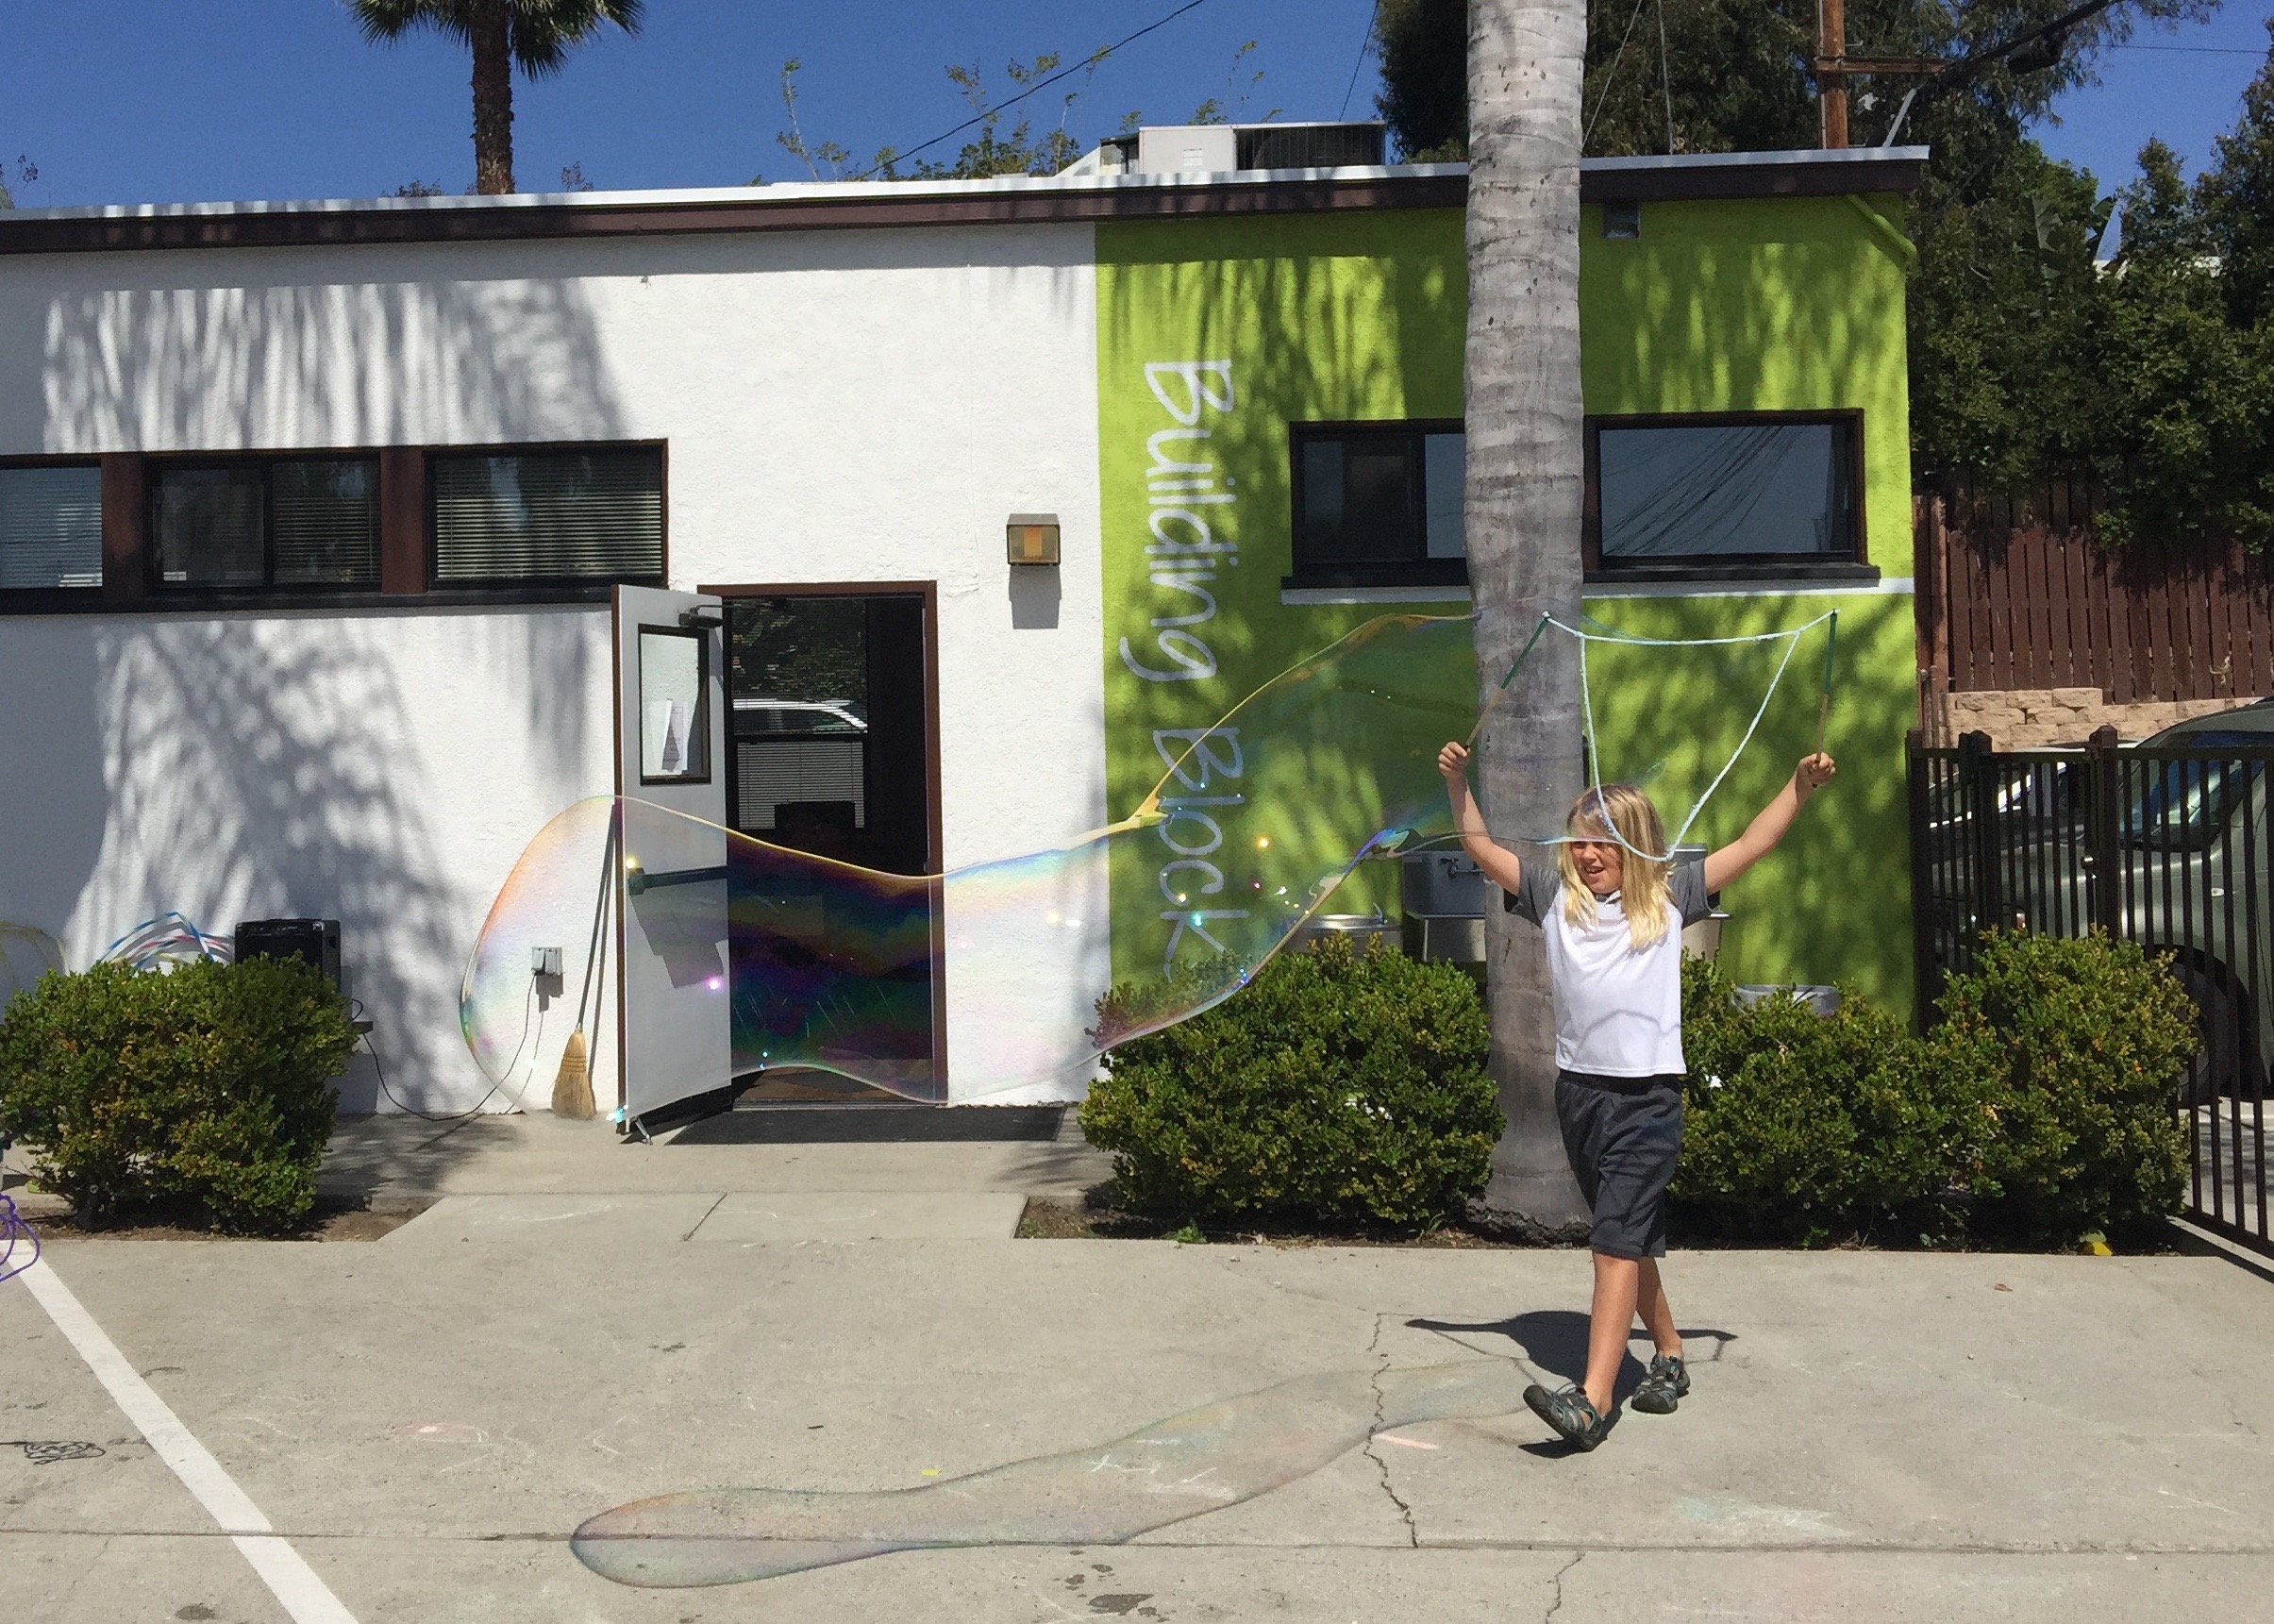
(209, 1083)
(1335, 1085)
(2082, 1042)
(1805, 1128)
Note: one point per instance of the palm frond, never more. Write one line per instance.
(544, 31)
(383, 22)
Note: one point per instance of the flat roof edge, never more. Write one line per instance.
(1006, 200)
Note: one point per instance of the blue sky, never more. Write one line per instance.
(280, 98)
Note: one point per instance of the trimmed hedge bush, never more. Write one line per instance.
(1801, 1127)
(208, 1083)
(2078, 1046)
(1334, 1086)
(2042, 1106)
(1338, 1087)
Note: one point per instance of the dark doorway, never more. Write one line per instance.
(832, 738)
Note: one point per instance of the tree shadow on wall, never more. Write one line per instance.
(258, 762)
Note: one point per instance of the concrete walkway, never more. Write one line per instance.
(425, 1419)
(385, 1159)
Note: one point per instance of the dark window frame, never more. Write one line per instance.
(129, 586)
(39, 599)
(1856, 565)
(550, 585)
(162, 593)
(1419, 571)
(698, 728)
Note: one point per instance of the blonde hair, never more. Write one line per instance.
(1621, 814)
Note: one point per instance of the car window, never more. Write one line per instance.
(2186, 802)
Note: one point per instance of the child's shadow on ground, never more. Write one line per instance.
(1555, 1340)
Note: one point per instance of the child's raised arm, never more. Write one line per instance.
(1768, 825)
(1500, 865)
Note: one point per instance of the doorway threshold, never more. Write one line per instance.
(866, 1122)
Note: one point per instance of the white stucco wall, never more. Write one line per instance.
(845, 406)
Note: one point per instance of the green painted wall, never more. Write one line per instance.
(1250, 324)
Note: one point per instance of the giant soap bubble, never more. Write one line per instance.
(1049, 957)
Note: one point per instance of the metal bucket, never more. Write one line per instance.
(1824, 1000)
(1362, 930)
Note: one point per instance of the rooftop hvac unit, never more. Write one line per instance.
(1308, 145)
(1186, 149)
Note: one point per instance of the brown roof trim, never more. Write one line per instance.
(883, 205)
(838, 207)
(1751, 175)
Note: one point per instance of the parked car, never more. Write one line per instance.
(2199, 852)
(2197, 848)
(756, 717)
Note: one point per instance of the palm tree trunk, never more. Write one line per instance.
(1525, 65)
(492, 99)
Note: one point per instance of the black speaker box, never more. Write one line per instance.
(314, 941)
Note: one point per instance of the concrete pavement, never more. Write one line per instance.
(393, 1159)
(426, 1417)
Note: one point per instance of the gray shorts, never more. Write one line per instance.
(1622, 1134)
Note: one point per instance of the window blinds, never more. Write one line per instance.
(548, 516)
(324, 522)
(51, 528)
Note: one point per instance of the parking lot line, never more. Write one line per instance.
(306, 1598)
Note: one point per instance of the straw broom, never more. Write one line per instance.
(573, 1082)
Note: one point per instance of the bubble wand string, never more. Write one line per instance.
(1522, 654)
(1831, 643)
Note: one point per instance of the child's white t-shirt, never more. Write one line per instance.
(1618, 1011)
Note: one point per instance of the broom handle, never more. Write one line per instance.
(592, 951)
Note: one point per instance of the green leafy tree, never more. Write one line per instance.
(2236, 199)
(535, 35)
(1423, 47)
(2188, 443)
(1732, 75)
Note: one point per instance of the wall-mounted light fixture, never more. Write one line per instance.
(1031, 539)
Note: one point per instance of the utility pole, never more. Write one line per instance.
(1832, 74)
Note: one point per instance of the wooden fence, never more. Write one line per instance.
(2015, 593)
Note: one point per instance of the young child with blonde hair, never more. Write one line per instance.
(1612, 910)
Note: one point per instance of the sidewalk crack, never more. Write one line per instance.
(1553, 1607)
(1381, 1466)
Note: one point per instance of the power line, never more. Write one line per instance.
(2197, 50)
(1088, 63)
(1603, 96)
(1365, 44)
(1666, 83)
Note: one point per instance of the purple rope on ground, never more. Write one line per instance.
(14, 1233)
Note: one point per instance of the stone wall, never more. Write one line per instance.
(2042, 718)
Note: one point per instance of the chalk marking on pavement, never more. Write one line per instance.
(305, 1596)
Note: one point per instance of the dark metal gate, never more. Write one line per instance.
(2166, 844)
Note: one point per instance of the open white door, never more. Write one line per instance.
(675, 988)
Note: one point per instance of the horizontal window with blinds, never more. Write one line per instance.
(324, 522)
(548, 516)
(284, 522)
(51, 528)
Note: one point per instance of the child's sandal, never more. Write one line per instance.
(1572, 1414)
(1662, 1389)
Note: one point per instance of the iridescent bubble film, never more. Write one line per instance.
(757, 959)
(1201, 1460)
